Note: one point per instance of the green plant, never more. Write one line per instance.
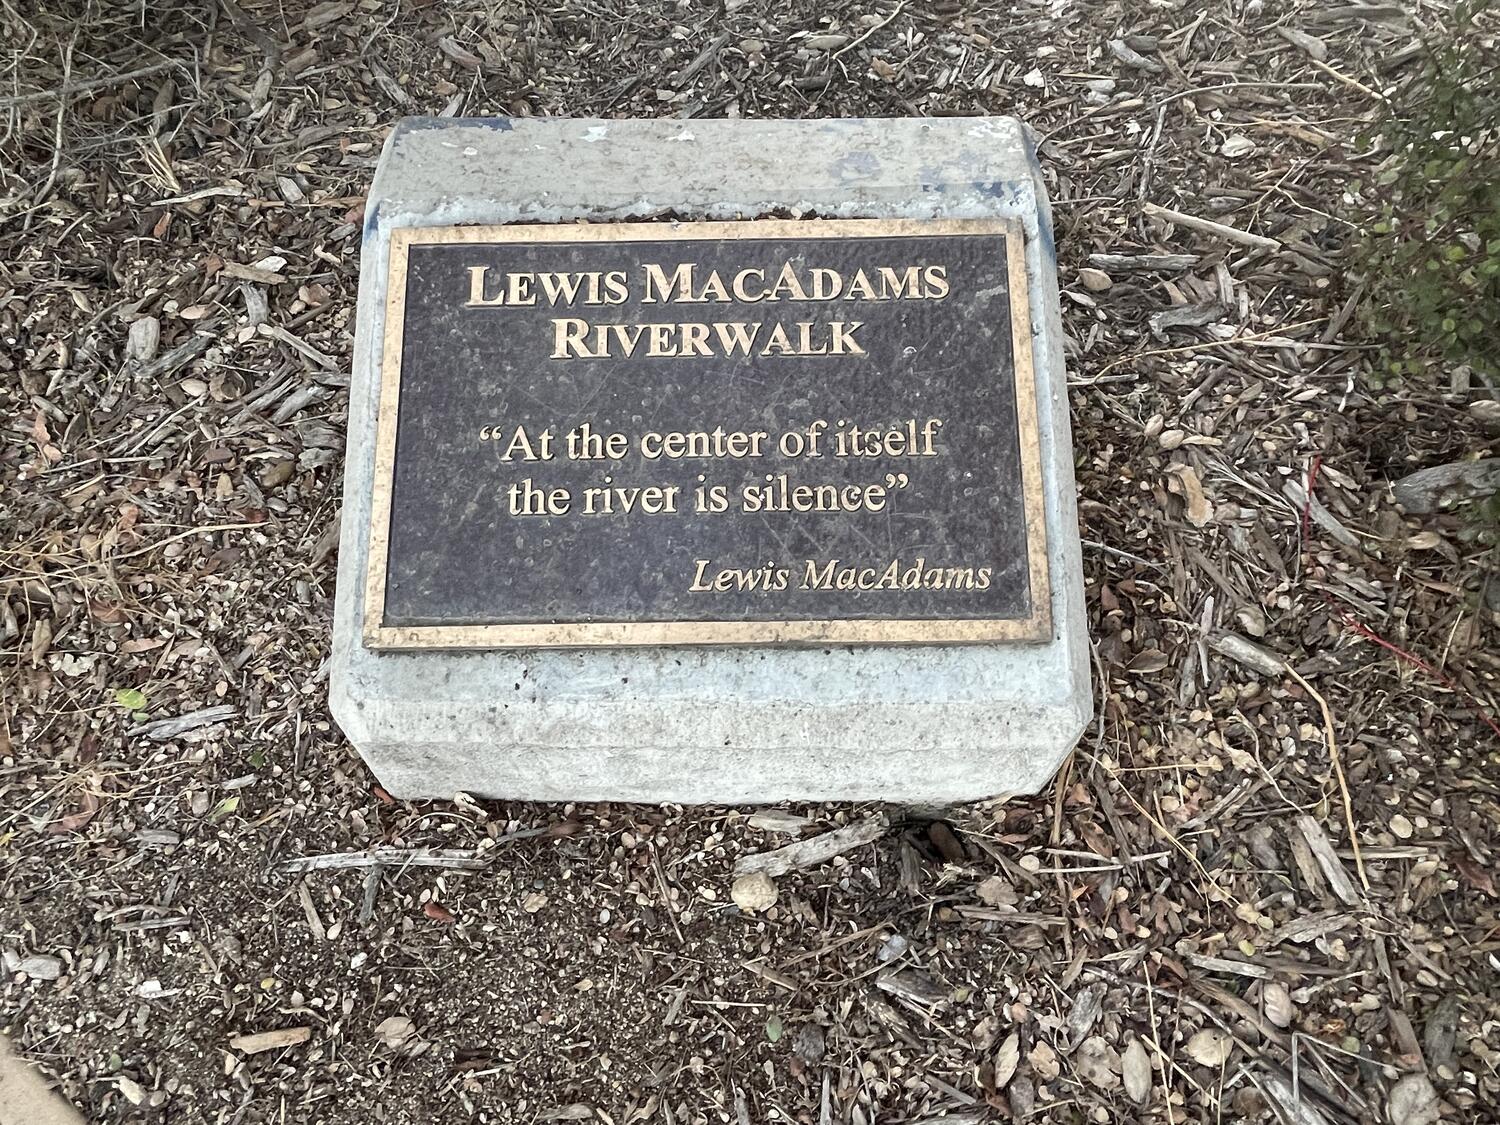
(1429, 243)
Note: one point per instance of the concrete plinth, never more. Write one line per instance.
(723, 724)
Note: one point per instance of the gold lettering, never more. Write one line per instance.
(626, 335)
(804, 340)
(713, 289)
(860, 288)
(736, 336)
(661, 341)
(659, 287)
(568, 335)
(566, 286)
(477, 299)
(812, 579)
(788, 281)
(843, 338)
(778, 342)
(826, 284)
(518, 289)
(695, 339)
(907, 285)
(740, 293)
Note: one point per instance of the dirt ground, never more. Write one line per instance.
(1262, 889)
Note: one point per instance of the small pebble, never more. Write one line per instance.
(533, 902)
(753, 893)
(143, 340)
(41, 967)
(1095, 281)
(276, 472)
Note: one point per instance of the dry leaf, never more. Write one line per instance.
(395, 1030)
(1199, 511)
(41, 640)
(1135, 1069)
(1475, 874)
(1314, 46)
(1276, 1002)
(1044, 1061)
(1414, 1102)
(458, 54)
(88, 806)
(1210, 1047)
(754, 892)
(271, 1040)
(438, 913)
(1152, 660)
(1006, 1059)
(996, 891)
(1097, 1063)
(578, 1111)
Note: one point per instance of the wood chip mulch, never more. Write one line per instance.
(1263, 888)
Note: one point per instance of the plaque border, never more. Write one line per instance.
(804, 632)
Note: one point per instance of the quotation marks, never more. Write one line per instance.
(896, 480)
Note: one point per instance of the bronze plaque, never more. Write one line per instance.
(765, 432)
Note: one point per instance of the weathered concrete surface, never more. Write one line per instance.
(921, 724)
(26, 1097)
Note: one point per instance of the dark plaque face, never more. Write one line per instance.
(707, 433)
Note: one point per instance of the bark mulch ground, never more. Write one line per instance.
(1262, 889)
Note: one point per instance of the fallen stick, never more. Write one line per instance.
(1314, 510)
(327, 362)
(454, 859)
(68, 89)
(1442, 486)
(1158, 262)
(820, 849)
(1248, 653)
(162, 729)
(1328, 860)
(163, 367)
(1338, 772)
(1208, 226)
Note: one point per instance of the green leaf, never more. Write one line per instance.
(773, 1028)
(132, 699)
(223, 808)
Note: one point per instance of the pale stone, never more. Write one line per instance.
(143, 339)
(723, 724)
(1095, 281)
(1171, 439)
(753, 893)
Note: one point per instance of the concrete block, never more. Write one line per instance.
(925, 723)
